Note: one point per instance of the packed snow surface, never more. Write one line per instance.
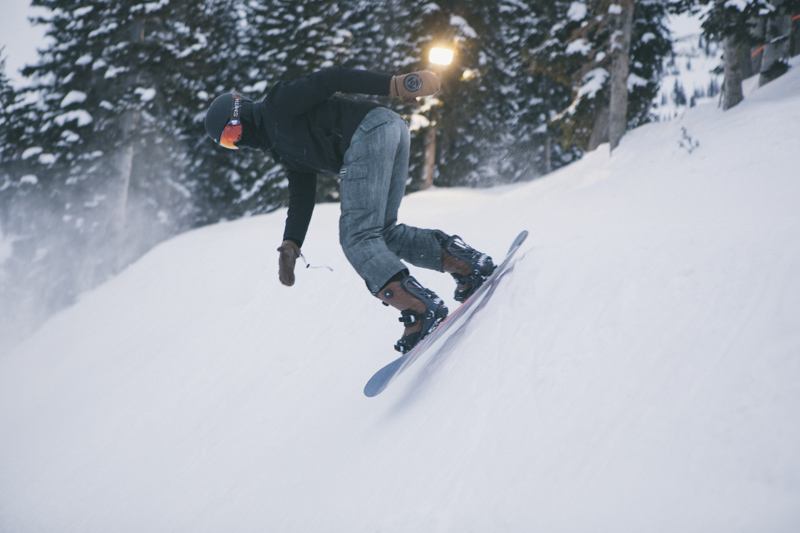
(638, 370)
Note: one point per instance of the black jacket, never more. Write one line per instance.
(308, 130)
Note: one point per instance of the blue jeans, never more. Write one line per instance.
(373, 182)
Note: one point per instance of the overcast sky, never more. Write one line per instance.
(19, 37)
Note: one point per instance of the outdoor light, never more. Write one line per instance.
(441, 56)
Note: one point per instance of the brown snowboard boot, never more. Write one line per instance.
(421, 310)
(469, 267)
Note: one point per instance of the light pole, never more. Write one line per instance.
(440, 57)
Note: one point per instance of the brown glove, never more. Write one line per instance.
(409, 86)
(289, 254)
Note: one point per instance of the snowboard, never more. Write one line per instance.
(388, 373)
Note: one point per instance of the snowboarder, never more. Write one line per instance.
(310, 130)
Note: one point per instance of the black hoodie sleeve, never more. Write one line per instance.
(298, 97)
(302, 192)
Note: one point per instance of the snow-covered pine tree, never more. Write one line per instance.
(380, 38)
(102, 137)
(577, 51)
(506, 138)
(453, 114)
(6, 101)
(574, 51)
(777, 39)
(488, 118)
(379, 35)
(282, 40)
(743, 26)
(225, 184)
(24, 213)
(650, 44)
(110, 98)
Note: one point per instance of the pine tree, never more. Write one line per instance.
(278, 40)
(778, 30)
(104, 142)
(110, 99)
(578, 51)
(6, 101)
(735, 25)
(486, 125)
(387, 37)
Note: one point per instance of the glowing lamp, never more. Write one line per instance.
(441, 56)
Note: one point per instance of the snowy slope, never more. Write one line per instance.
(639, 370)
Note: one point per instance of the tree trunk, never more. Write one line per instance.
(731, 62)
(600, 128)
(123, 159)
(620, 62)
(732, 88)
(430, 157)
(548, 155)
(123, 167)
(746, 61)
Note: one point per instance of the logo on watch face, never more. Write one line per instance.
(412, 83)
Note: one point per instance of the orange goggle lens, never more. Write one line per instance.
(230, 135)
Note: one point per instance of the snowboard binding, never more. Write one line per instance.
(421, 310)
(469, 267)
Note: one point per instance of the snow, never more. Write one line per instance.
(577, 11)
(84, 60)
(112, 72)
(154, 6)
(145, 94)
(83, 117)
(417, 121)
(108, 28)
(636, 81)
(638, 370)
(463, 26)
(579, 46)
(73, 97)
(593, 82)
(741, 5)
(81, 11)
(70, 136)
(430, 8)
(32, 151)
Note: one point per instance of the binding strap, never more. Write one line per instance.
(409, 317)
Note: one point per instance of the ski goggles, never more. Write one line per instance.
(233, 129)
